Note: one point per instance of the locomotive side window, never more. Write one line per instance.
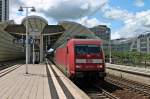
(87, 49)
(67, 50)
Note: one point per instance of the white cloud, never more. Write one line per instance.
(133, 23)
(85, 6)
(115, 35)
(116, 13)
(90, 22)
(139, 24)
(58, 9)
(55, 10)
(73, 9)
(139, 3)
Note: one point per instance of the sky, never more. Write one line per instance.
(125, 18)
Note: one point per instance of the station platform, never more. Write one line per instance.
(144, 71)
(42, 82)
(133, 73)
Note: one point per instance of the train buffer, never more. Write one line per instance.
(43, 81)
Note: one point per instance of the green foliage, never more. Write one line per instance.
(128, 57)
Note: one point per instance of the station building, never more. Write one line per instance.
(43, 36)
(140, 44)
(122, 44)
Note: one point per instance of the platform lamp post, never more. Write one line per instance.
(27, 34)
(110, 59)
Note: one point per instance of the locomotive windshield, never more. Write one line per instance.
(87, 49)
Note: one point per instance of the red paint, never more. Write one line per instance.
(68, 60)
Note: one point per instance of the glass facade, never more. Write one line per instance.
(4, 10)
(143, 43)
(101, 31)
(121, 46)
(0, 10)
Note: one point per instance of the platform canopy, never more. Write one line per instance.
(36, 26)
(73, 29)
(35, 23)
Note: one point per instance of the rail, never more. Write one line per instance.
(9, 69)
(131, 85)
(105, 93)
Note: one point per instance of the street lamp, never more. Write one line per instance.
(110, 59)
(33, 10)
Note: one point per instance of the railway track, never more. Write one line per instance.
(137, 84)
(133, 86)
(112, 89)
(94, 89)
(9, 69)
(101, 94)
(7, 64)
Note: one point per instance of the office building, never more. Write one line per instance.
(142, 43)
(4, 10)
(104, 33)
(101, 31)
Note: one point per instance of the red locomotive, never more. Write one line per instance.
(81, 57)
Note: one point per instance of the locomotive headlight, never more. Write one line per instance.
(99, 66)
